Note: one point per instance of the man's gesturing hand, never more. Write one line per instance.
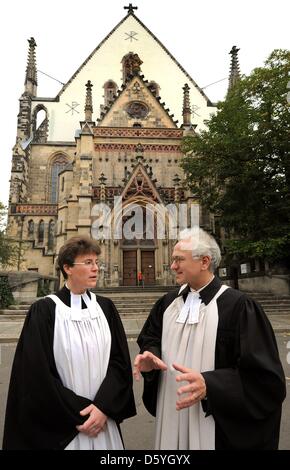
(195, 390)
(146, 362)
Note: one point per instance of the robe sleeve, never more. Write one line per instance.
(149, 339)
(115, 396)
(245, 400)
(41, 413)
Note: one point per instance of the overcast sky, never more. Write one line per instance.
(199, 34)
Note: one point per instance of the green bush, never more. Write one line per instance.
(43, 288)
(6, 297)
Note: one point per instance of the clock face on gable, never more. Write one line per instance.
(137, 109)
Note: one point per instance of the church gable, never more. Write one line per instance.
(137, 106)
(140, 186)
(103, 68)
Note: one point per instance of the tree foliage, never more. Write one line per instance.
(239, 167)
(6, 297)
(9, 251)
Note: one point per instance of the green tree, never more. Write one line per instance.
(239, 167)
(9, 251)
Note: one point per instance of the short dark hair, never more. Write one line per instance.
(72, 248)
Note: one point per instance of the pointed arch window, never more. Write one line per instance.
(30, 229)
(58, 164)
(110, 90)
(50, 237)
(40, 124)
(40, 236)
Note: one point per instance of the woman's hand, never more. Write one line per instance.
(95, 423)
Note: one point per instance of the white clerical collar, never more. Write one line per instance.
(191, 307)
(76, 305)
(182, 288)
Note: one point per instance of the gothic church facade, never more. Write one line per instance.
(108, 148)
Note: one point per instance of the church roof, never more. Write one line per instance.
(131, 13)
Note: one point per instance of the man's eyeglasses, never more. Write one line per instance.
(177, 259)
(89, 262)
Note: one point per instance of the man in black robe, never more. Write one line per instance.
(231, 377)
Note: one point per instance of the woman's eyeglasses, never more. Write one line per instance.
(89, 262)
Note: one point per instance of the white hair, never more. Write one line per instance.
(201, 243)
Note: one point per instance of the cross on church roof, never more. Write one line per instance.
(130, 8)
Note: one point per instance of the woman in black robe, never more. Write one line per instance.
(42, 412)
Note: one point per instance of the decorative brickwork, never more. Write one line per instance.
(35, 209)
(168, 194)
(110, 193)
(138, 132)
(131, 147)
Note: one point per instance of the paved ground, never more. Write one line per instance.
(10, 329)
(138, 432)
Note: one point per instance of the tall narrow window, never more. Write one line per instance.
(57, 166)
(40, 231)
(50, 238)
(30, 229)
(40, 124)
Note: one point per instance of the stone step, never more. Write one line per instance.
(5, 318)
(277, 312)
(133, 305)
(270, 299)
(134, 302)
(13, 313)
(134, 312)
(153, 288)
(148, 302)
(277, 305)
(19, 307)
(129, 297)
(255, 295)
(131, 315)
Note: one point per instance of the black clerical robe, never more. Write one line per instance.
(246, 390)
(43, 414)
